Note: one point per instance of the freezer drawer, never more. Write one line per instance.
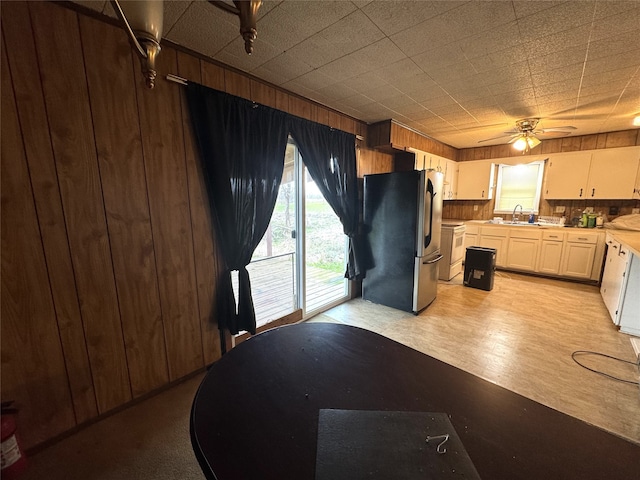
(425, 281)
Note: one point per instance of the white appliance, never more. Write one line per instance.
(452, 249)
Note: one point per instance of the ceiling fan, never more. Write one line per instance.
(524, 136)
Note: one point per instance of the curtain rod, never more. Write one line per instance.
(183, 81)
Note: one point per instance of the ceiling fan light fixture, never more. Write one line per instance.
(636, 121)
(520, 144)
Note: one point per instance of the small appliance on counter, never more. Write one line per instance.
(479, 267)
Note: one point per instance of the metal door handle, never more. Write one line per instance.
(593, 192)
(437, 259)
(580, 192)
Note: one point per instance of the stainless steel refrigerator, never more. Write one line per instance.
(402, 219)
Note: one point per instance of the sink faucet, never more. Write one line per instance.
(515, 217)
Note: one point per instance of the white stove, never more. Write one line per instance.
(452, 249)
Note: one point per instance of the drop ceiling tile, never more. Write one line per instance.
(365, 82)
(550, 44)
(559, 59)
(234, 54)
(514, 72)
(457, 72)
(498, 59)
(613, 45)
(173, 11)
(394, 16)
(206, 29)
(347, 35)
(607, 9)
(365, 60)
(614, 62)
(356, 101)
(396, 71)
(499, 38)
(286, 66)
(527, 8)
(337, 91)
(628, 21)
(293, 22)
(418, 85)
(382, 93)
(440, 57)
(558, 90)
(314, 80)
(412, 110)
(608, 79)
(560, 18)
(398, 102)
(569, 73)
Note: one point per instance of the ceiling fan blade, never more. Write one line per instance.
(501, 136)
(551, 134)
(553, 129)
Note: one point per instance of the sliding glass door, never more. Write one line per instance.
(301, 260)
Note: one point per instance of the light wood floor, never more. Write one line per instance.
(521, 336)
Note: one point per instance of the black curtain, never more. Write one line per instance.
(330, 156)
(242, 147)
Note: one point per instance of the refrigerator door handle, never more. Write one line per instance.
(427, 238)
(435, 260)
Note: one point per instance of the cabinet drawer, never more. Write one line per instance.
(583, 237)
(553, 236)
(527, 232)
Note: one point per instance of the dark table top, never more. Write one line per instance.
(255, 415)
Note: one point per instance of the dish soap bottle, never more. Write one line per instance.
(584, 219)
(531, 217)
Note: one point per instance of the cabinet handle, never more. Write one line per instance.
(585, 239)
(593, 192)
(622, 252)
(553, 236)
(482, 193)
(580, 192)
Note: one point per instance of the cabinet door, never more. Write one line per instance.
(475, 180)
(550, 257)
(577, 259)
(470, 240)
(522, 253)
(450, 179)
(567, 176)
(613, 279)
(500, 244)
(613, 173)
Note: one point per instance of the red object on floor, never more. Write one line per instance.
(13, 461)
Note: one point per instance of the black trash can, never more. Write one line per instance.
(479, 267)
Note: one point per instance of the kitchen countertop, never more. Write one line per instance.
(630, 238)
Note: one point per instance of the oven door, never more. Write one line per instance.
(457, 246)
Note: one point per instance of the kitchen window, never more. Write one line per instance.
(519, 185)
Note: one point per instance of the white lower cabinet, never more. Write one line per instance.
(496, 237)
(613, 278)
(550, 256)
(579, 255)
(560, 252)
(522, 252)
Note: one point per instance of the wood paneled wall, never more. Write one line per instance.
(109, 262)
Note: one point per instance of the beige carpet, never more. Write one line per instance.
(147, 441)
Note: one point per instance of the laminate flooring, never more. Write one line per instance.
(521, 336)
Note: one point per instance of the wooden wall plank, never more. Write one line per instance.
(262, 93)
(625, 138)
(37, 141)
(204, 247)
(334, 119)
(212, 76)
(110, 77)
(33, 369)
(164, 158)
(236, 84)
(322, 115)
(66, 97)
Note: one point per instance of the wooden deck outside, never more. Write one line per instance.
(274, 290)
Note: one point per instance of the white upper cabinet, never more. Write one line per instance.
(597, 174)
(450, 180)
(567, 175)
(475, 180)
(613, 173)
(636, 190)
